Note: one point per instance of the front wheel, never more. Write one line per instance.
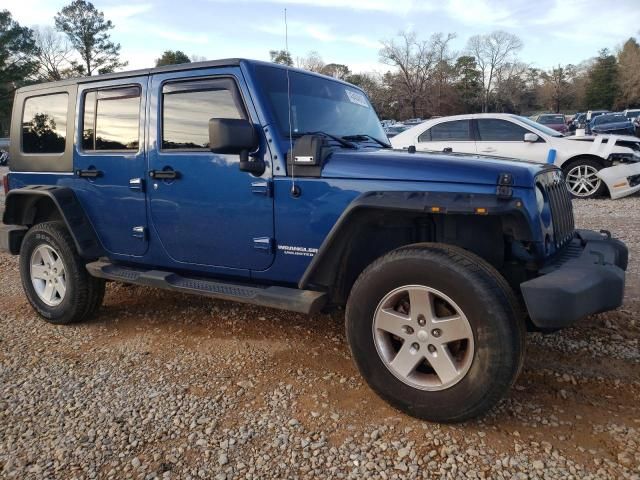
(434, 330)
(582, 179)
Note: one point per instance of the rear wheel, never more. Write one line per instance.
(582, 179)
(435, 331)
(54, 277)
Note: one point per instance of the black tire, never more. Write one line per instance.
(486, 300)
(84, 293)
(585, 162)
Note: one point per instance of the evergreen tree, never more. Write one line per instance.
(88, 32)
(602, 84)
(171, 57)
(17, 63)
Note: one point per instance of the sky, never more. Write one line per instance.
(349, 31)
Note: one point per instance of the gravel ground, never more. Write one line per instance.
(163, 385)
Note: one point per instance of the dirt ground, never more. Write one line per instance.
(573, 413)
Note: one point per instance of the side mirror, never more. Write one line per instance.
(531, 137)
(236, 136)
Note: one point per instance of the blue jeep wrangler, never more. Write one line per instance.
(249, 181)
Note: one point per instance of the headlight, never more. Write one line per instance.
(539, 198)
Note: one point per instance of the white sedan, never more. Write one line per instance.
(592, 165)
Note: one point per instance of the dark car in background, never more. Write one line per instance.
(394, 130)
(555, 121)
(4, 151)
(612, 123)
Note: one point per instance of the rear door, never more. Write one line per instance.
(110, 162)
(503, 138)
(448, 136)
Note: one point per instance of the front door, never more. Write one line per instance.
(110, 163)
(503, 138)
(207, 212)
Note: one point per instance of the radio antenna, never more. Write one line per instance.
(294, 189)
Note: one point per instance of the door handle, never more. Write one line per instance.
(164, 174)
(447, 150)
(488, 150)
(90, 173)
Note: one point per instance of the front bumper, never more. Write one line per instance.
(622, 180)
(11, 238)
(588, 278)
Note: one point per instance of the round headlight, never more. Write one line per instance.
(539, 198)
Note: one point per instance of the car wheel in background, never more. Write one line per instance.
(582, 179)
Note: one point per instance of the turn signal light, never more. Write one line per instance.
(481, 211)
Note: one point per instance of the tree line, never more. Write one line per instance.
(426, 77)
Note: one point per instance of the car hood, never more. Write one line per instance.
(399, 165)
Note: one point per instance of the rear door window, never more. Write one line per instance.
(111, 119)
(458, 130)
(44, 124)
(494, 130)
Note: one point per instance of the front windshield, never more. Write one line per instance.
(633, 114)
(551, 119)
(609, 119)
(536, 126)
(317, 104)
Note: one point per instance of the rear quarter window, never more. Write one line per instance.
(44, 124)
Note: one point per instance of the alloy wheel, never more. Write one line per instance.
(583, 180)
(48, 275)
(423, 337)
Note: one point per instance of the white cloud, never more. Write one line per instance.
(479, 13)
(590, 22)
(118, 12)
(317, 31)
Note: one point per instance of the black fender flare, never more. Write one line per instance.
(322, 269)
(21, 207)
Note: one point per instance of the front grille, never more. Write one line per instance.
(561, 207)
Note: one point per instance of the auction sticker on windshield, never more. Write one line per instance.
(357, 98)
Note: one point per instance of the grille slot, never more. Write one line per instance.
(561, 207)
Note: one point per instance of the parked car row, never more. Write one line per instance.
(597, 122)
(593, 165)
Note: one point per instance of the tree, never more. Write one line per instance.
(629, 75)
(602, 83)
(171, 57)
(54, 55)
(88, 32)
(468, 84)
(557, 89)
(17, 62)
(492, 52)
(282, 57)
(414, 60)
(443, 73)
(336, 70)
(312, 62)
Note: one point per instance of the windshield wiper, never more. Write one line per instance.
(360, 136)
(342, 142)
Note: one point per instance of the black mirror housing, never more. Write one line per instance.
(232, 136)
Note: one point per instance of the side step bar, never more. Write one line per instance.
(293, 299)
